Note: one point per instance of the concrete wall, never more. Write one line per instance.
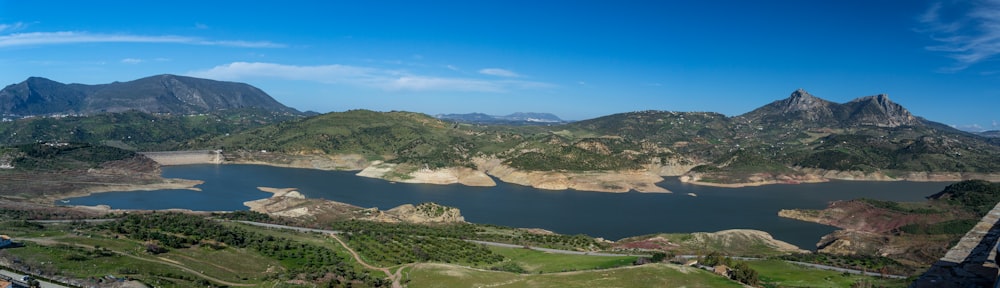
(185, 157)
(971, 263)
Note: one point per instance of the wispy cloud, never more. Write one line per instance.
(70, 37)
(969, 127)
(12, 26)
(499, 72)
(132, 61)
(968, 32)
(386, 79)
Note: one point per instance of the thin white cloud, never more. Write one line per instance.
(969, 127)
(71, 37)
(499, 72)
(386, 79)
(12, 26)
(132, 61)
(970, 37)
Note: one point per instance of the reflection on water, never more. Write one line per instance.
(608, 215)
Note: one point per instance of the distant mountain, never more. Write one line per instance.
(519, 118)
(990, 134)
(157, 94)
(802, 108)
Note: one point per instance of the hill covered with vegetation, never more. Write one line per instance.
(802, 137)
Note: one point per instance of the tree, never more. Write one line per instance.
(744, 274)
(658, 257)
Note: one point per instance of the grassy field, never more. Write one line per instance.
(82, 253)
(653, 275)
(71, 251)
(541, 262)
(777, 273)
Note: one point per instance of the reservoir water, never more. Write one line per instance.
(608, 215)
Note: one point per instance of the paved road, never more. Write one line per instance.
(300, 229)
(852, 271)
(72, 221)
(817, 266)
(44, 284)
(549, 250)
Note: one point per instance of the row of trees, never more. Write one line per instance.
(739, 270)
(302, 260)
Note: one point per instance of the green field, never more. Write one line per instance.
(541, 262)
(652, 275)
(777, 273)
(85, 251)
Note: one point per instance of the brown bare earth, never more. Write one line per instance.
(286, 202)
(856, 215)
(45, 187)
(598, 181)
(874, 231)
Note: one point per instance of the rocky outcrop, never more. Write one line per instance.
(288, 202)
(426, 213)
(879, 111)
(611, 181)
(442, 176)
(811, 107)
(731, 242)
(738, 237)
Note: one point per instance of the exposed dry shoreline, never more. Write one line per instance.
(820, 176)
(169, 183)
(594, 181)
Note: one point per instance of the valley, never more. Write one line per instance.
(67, 141)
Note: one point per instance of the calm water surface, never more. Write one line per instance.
(609, 215)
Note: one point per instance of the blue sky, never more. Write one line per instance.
(577, 59)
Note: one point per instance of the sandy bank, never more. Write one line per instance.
(443, 176)
(597, 181)
(170, 183)
(819, 175)
(689, 180)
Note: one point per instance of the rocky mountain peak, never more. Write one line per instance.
(878, 110)
(800, 100)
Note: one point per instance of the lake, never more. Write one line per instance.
(609, 215)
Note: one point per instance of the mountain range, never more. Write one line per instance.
(519, 118)
(156, 94)
(806, 109)
(799, 135)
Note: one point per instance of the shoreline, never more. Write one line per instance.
(994, 178)
(167, 183)
(920, 177)
(560, 180)
(650, 188)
